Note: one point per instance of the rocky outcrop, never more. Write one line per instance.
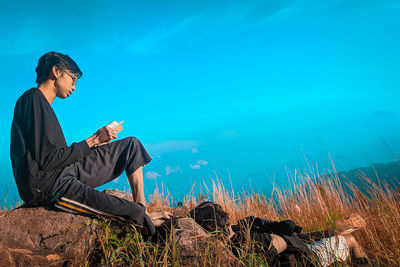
(43, 237)
(195, 247)
(40, 237)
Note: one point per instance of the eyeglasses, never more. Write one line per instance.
(73, 77)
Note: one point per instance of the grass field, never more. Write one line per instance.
(315, 204)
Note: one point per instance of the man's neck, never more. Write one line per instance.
(48, 90)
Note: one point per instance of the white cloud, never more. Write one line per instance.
(194, 150)
(195, 166)
(198, 164)
(202, 162)
(169, 169)
(171, 146)
(152, 175)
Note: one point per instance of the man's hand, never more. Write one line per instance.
(102, 136)
(105, 135)
(159, 217)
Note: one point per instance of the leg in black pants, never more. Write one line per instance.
(76, 182)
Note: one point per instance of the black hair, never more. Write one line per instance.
(51, 59)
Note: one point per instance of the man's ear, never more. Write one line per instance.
(55, 72)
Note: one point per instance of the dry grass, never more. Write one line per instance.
(316, 204)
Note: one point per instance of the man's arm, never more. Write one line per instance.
(92, 141)
(44, 138)
(79, 150)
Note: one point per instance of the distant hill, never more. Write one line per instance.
(379, 173)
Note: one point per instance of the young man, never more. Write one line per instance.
(283, 243)
(50, 173)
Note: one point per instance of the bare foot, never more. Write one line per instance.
(159, 217)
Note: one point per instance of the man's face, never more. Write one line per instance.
(65, 83)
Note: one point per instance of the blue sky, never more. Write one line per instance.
(240, 90)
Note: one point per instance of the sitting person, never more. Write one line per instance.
(282, 242)
(48, 172)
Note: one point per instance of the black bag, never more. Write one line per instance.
(211, 217)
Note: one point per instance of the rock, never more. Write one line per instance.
(189, 236)
(41, 237)
(195, 247)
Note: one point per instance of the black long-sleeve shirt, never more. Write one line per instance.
(38, 147)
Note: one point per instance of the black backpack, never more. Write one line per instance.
(211, 217)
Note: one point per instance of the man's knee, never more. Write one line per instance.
(132, 140)
(350, 240)
(129, 142)
(129, 139)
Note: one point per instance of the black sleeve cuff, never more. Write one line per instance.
(83, 148)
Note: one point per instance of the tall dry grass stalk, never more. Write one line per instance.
(316, 204)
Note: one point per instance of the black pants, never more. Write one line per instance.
(75, 185)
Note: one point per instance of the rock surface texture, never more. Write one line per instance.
(195, 246)
(40, 237)
(43, 237)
